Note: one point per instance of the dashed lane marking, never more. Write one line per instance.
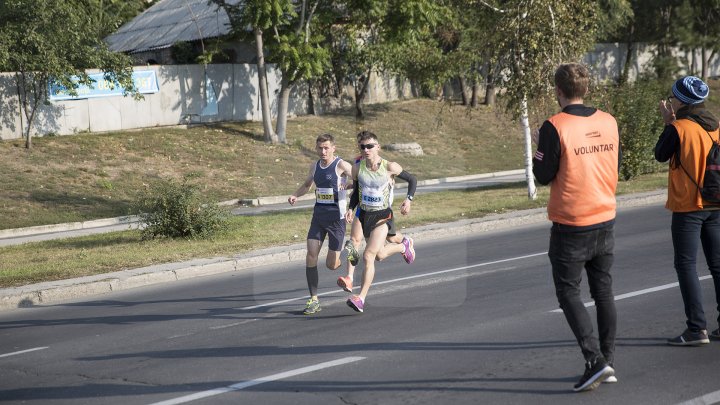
(707, 399)
(401, 279)
(245, 384)
(639, 292)
(23, 351)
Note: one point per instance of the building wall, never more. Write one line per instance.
(181, 100)
(607, 61)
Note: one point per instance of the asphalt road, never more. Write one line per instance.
(471, 321)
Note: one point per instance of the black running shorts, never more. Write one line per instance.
(372, 219)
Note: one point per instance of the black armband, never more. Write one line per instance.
(354, 198)
(412, 183)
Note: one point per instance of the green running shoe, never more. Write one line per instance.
(352, 254)
(312, 306)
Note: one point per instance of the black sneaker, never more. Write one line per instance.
(595, 374)
(715, 334)
(690, 338)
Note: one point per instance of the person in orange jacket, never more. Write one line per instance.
(690, 130)
(578, 154)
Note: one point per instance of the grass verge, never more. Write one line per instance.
(91, 176)
(97, 254)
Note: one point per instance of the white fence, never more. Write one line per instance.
(181, 100)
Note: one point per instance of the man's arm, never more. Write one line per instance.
(396, 170)
(667, 144)
(412, 183)
(303, 187)
(345, 169)
(546, 160)
(355, 197)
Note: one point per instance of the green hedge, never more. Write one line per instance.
(176, 210)
(635, 106)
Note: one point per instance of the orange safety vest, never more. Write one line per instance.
(683, 194)
(583, 190)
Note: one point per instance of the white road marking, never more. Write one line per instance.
(639, 292)
(23, 351)
(245, 384)
(230, 325)
(707, 399)
(304, 297)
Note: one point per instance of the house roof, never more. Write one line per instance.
(168, 22)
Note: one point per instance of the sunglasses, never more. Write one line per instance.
(367, 146)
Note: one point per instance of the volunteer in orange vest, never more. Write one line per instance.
(689, 132)
(578, 154)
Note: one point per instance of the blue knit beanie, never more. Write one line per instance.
(690, 90)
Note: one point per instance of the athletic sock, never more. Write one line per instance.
(311, 273)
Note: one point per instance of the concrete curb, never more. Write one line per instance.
(279, 199)
(70, 226)
(255, 202)
(49, 292)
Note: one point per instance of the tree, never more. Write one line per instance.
(699, 28)
(369, 36)
(535, 36)
(257, 16)
(431, 56)
(300, 56)
(54, 40)
(284, 27)
(107, 16)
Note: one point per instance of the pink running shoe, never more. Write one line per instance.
(345, 283)
(356, 303)
(409, 253)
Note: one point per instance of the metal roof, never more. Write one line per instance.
(168, 22)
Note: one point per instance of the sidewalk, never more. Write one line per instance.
(49, 292)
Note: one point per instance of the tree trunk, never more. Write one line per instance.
(22, 81)
(20, 106)
(361, 87)
(628, 59)
(474, 94)
(525, 123)
(270, 135)
(703, 61)
(359, 112)
(311, 100)
(490, 90)
(463, 85)
(283, 109)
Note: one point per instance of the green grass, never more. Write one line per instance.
(89, 176)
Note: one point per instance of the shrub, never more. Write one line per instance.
(635, 106)
(175, 210)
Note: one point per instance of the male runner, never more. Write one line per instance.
(373, 180)
(356, 235)
(328, 174)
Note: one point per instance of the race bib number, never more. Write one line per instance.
(372, 199)
(325, 196)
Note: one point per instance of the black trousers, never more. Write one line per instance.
(570, 252)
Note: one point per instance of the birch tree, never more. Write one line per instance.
(535, 36)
